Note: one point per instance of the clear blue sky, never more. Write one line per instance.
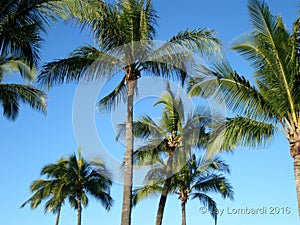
(261, 178)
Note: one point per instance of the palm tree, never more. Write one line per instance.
(74, 179)
(195, 179)
(123, 32)
(199, 177)
(169, 142)
(87, 178)
(272, 103)
(53, 189)
(21, 26)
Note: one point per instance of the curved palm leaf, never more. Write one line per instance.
(84, 63)
(238, 132)
(225, 85)
(12, 94)
(10, 63)
(207, 202)
(21, 26)
(144, 192)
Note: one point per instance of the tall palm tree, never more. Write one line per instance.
(123, 32)
(271, 104)
(169, 142)
(53, 188)
(71, 178)
(194, 180)
(21, 25)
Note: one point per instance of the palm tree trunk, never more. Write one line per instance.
(164, 193)
(127, 190)
(79, 212)
(183, 214)
(294, 140)
(58, 215)
(162, 202)
(297, 178)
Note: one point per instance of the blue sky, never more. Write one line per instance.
(261, 178)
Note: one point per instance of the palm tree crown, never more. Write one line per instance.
(71, 178)
(87, 178)
(272, 104)
(195, 179)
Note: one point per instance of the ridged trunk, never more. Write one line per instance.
(183, 213)
(79, 211)
(164, 193)
(297, 178)
(294, 139)
(127, 190)
(58, 215)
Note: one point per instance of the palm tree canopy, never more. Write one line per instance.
(124, 33)
(196, 179)
(88, 178)
(274, 98)
(177, 132)
(69, 178)
(272, 103)
(22, 24)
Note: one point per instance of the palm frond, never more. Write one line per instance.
(270, 49)
(144, 128)
(12, 94)
(238, 132)
(55, 170)
(10, 63)
(206, 165)
(83, 11)
(85, 63)
(173, 112)
(216, 184)
(110, 101)
(202, 41)
(207, 202)
(144, 192)
(151, 153)
(194, 131)
(169, 67)
(157, 174)
(226, 86)
(22, 23)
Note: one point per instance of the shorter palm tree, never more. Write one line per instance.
(197, 178)
(74, 179)
(87, 178)
(194, 180)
